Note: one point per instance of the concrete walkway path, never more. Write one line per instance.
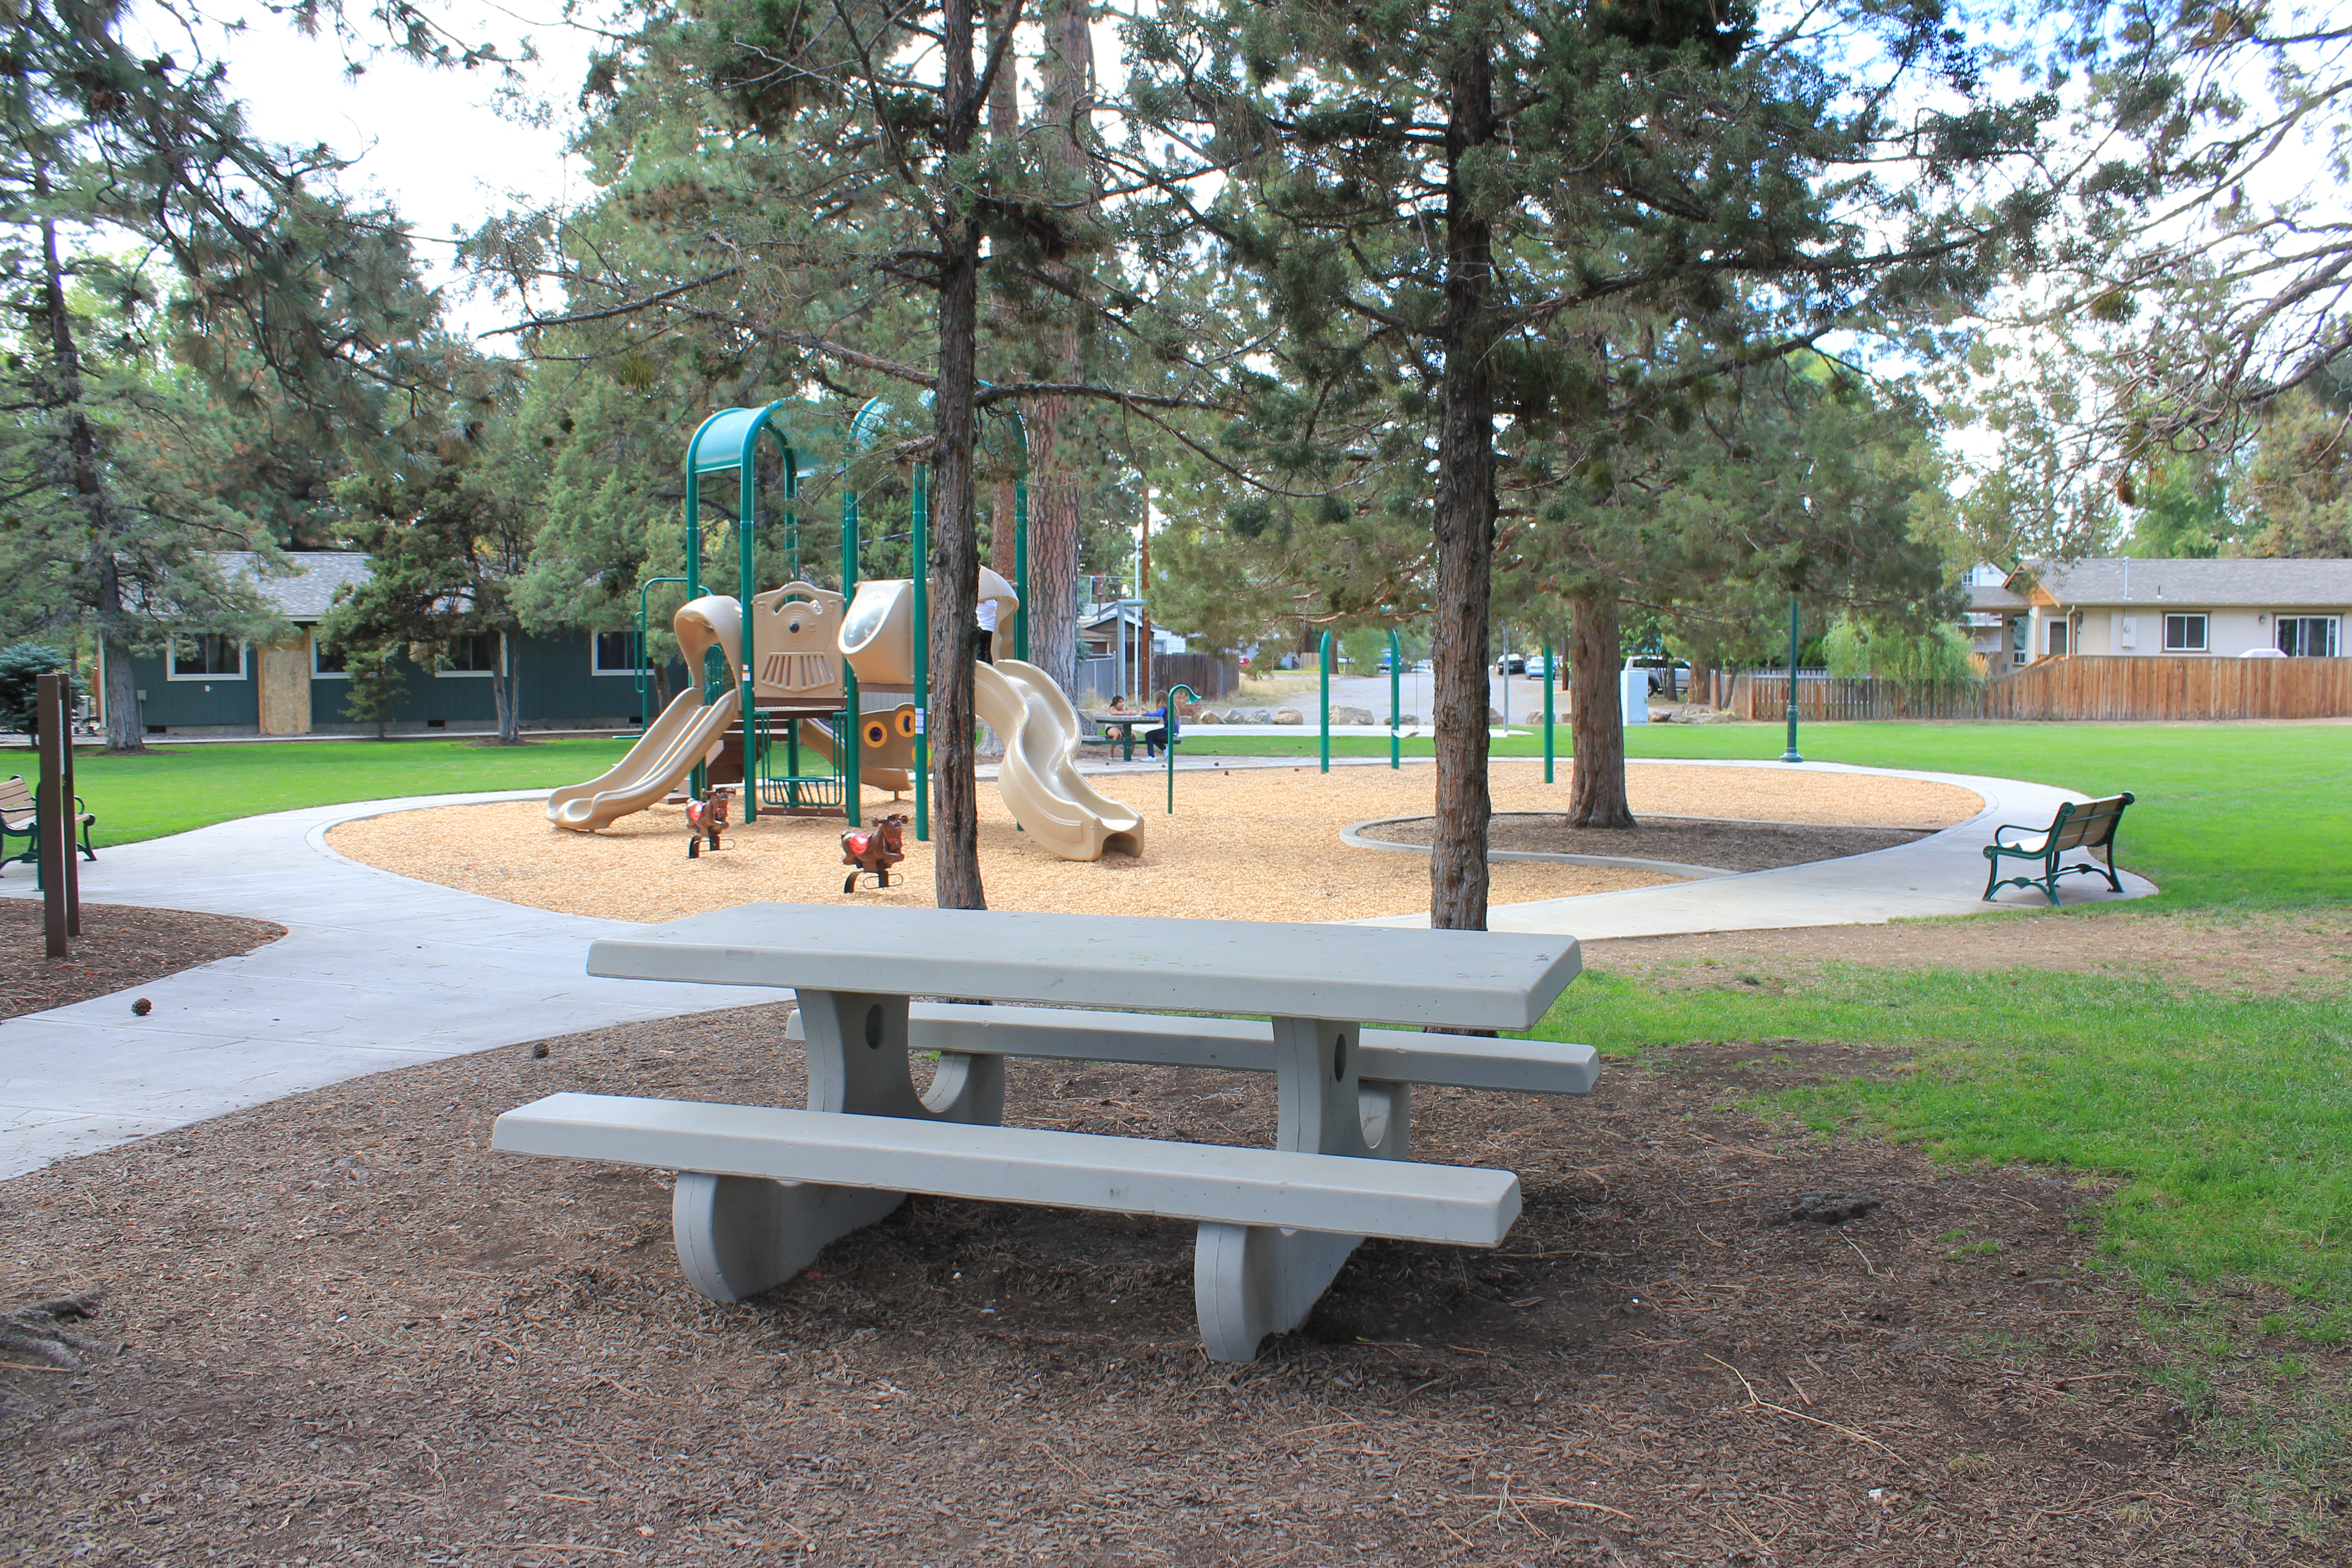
(376, 971)
(1943, 874)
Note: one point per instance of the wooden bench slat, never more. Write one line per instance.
(1329, 1193)
(1239, 1044)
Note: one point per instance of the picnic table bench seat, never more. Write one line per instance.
(20, 819)
(2086, 826)
(1239, 1044)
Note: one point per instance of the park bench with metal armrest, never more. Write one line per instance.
(2083, 824)
(761, 1190)
(20, 819)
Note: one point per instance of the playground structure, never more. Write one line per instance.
(800, 678)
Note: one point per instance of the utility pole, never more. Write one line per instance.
(1143, 610)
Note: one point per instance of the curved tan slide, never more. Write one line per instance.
(1038, 778)
(683, 735)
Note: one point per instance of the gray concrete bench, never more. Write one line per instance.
(1239, 1045)
(1226, 1191)
(761, 1191)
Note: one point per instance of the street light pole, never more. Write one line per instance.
(1790, 754)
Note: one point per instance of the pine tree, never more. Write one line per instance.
(1453, 202)
(98, 143)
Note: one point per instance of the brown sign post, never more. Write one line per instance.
(60, 877)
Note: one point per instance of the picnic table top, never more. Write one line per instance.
(1463, 980)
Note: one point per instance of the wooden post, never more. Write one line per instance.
(66, 795)
(52, 829)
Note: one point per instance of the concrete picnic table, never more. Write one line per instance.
(761, 1190)
(1125, 723)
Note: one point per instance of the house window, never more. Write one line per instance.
(474, 653)
(327, 663)
(616, 654)
(2017, 640)
(2184, 633)
(2310, 636)
(206, 658)
(2058, 630)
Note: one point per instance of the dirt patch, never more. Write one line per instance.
(1728, 846)
(352, 1335)
(1244, 844)
(119, 947)
(2261, 954)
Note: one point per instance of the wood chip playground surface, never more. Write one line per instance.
(1244, 844)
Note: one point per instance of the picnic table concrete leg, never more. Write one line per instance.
(1249, 1281)
(738, 1235)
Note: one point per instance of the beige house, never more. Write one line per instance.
(2129, 606)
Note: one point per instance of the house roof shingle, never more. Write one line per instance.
(2257, 583)
(305, 595)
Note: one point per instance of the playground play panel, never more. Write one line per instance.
(1256, 843)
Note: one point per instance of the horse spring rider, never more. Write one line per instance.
(706, 816)
(875, 849)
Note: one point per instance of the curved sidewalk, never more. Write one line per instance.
(1942, 874)
(375, 971)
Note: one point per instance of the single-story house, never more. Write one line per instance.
(215, 685)
(2134, 606)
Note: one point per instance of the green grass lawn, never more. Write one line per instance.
(2225, 1119)
(171, 789)
(2243, 814)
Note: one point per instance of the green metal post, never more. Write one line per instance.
(698, 780)
(1790, 754)
(1021, 569)
(1547, 741)
(1169, 722)
(849, 747)
(922, 573)
(1396, 701)
(747, 573)
(1324, 658)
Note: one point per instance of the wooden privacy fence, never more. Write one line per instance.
(1765, 696)
(1210, 676)
(2108, 686)
(2086, 686)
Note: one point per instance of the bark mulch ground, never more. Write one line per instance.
(350, 1334)
(119, 947)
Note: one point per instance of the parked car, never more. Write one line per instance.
(1512, 663)
(1668, 676)
(1423, 666)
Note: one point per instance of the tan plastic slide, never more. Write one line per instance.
(684, 734)
(1039, 777)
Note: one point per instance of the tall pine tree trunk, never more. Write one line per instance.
(1465, 519)
(123, 731)
(954, 565)
(1596, 715)
(1057, 536)
(502, 696)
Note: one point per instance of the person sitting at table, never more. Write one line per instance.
(1155, 739)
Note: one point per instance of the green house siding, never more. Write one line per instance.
(555, 685)
(215, 700)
